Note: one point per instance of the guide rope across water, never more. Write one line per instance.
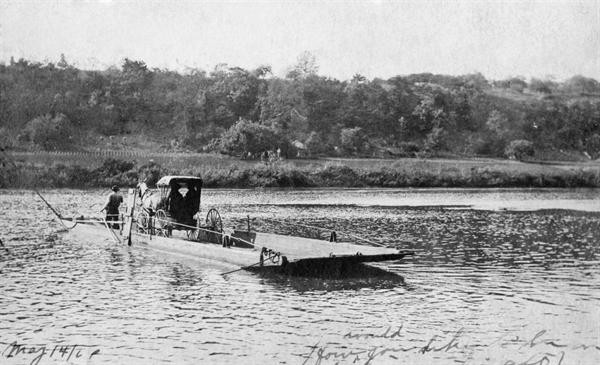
(223, 234)
(334, 233)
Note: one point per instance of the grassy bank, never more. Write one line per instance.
(73, 171)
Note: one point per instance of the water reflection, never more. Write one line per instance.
(357, 277)
(184, 276)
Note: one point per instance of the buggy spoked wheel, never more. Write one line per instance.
(215, 224)
(143, 221)
(163, 227)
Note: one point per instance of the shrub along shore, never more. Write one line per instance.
(421, 173)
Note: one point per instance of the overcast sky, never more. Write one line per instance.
(373, 38)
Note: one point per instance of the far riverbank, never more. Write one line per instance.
(63, 172)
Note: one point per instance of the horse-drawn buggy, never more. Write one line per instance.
(175, 206)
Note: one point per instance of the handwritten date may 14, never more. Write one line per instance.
(70, 353)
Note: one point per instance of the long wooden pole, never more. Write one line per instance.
(241, 268)
(11, 160)
(114, 236)
(129, 216)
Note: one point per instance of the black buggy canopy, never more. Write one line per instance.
(182, 181)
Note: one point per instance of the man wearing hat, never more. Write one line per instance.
(113, 202)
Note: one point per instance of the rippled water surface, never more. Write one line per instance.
(498, 277)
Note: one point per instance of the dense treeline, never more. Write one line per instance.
(246, 112)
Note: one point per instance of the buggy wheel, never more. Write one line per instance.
(143, 221)
(163, 228)
(215, 224)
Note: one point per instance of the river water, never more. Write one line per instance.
(498, 277)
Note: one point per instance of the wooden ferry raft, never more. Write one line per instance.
(159, 227)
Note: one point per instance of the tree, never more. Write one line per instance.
(435, 140)
(352, 140)
(150, 173)
(581, 85)
(207, 134)
(476, 80)
(262, 71)
(246, 136)
(322, 98)
(63, 62)
(461, 110)
(519, 149)
(540, 86)
(135, 76)
(402, 101)
(5, 138)
(282, 107)
(497, 123)
(495, 135)
(366, 106)
(431, 113)
(517, 84)
(306, 64)
(233, 94)
(314, 143)
(50, 133)
(129, 90)
(593, 145)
